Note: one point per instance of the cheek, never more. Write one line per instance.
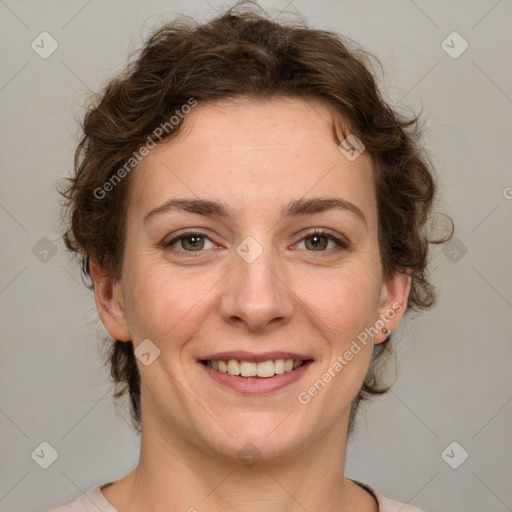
(345, 301)
(347, 310)
(164, 305)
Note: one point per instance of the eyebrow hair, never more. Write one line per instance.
(294, 208)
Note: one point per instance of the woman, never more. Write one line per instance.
(253, 218)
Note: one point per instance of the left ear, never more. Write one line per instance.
(393, 304)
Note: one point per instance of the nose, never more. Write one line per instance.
(256, 294)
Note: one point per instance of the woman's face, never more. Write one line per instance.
(255, 284)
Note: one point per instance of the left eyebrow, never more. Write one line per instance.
(294, 208)
(320, 204)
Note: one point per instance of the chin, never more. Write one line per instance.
(257, 435)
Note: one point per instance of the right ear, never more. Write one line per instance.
(109, 302)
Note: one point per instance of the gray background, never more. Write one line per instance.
(455, 380)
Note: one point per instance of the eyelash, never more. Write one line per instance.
(342, 244)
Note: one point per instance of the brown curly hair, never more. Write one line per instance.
(244, 53)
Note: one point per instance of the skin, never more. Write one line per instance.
(255, 156)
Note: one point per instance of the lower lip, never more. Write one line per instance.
(254, 386)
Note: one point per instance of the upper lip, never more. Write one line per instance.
(243, 355)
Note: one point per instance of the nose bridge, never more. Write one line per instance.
(255, 292)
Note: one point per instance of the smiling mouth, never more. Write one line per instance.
(250, 369)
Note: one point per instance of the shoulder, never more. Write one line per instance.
(91, 501)
(387, 504)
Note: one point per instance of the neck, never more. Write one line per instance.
(174, 474)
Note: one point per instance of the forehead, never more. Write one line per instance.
(253, 153)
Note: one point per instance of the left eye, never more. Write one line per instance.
(320, 240)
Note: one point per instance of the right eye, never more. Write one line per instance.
(191, 241)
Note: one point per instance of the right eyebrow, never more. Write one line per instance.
(199, 206)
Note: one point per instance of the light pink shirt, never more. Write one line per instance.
(94, 501)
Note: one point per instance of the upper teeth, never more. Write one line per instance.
(252, 369)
